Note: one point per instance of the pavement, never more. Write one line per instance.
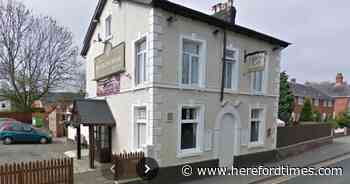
(340, 147)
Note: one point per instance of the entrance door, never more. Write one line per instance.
(226, 149)
(103, 144)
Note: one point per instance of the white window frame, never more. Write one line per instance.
(262, 127)
(265, 78)
(325, 103)
(316, 102)
(200, 131)
(135, 54)
(108, 25)
(134, 128)
(202, 62)
(301, 100)
(235, 73)
(330, 103)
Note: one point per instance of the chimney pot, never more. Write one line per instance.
(339, 79)
(294, 80)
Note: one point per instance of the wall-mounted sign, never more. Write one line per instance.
(108, 86)
(112, 61)
(256, 62)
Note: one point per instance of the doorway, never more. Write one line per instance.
(227, 141)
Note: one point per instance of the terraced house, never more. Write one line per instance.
(183, 86)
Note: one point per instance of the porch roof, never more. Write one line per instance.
(93, 112)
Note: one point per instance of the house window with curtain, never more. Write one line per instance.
(191, 62)
(141, 61)
(231, 69)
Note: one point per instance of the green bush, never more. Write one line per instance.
(306, 111)
(317, 116)
(343, 120)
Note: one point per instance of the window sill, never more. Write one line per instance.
(191, 87)
(186, 154)
(255, 145)
(231, 90)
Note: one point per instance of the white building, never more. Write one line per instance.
(159, 67)
(5, 105)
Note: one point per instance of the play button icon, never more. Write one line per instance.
(147, 168)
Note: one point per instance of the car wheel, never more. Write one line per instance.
(43, 140)
(8, 140)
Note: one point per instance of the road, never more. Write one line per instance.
(345, 179)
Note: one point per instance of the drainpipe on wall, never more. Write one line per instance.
(223, 68)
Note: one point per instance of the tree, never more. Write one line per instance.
(306, 112)
(36, 54)
(286, 99)
(343, 120)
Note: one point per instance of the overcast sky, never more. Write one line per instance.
(318, 29)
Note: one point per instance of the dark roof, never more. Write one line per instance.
(54, 97)
(302, 90)
(186, 12)
(332, 90)
(93, 112)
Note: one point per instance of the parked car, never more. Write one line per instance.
(14, 131)
(3, 120)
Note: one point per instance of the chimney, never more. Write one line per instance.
(225, 11)
(339, 80)
(293, 80)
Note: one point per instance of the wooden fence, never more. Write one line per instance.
(125, 164)
(25, 117)
(59, 171)
(287, 136)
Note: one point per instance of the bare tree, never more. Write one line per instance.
(36, 54)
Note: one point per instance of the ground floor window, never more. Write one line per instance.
(140, 127)
(190, 128)
(256, 125)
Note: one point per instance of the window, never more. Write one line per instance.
(140, 127)
(190, 129)
(256, 126)
(108, 28)
(325, 103)
(300, 100)
(316, 102)
(257, 78)
(330, 103)
(3, 105)
(190, 62)
(141, 62)
(231, 69)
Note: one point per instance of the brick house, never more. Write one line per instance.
(321, 102)
(339, 91)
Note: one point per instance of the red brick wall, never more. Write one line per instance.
(341, 105)
(320, 108)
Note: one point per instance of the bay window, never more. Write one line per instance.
(257, 80)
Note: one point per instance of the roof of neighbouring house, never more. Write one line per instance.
(332, 90)
(302, 90)
(93, 112)
(54, 97)
(186, 12)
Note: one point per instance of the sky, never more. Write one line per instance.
(318, 29)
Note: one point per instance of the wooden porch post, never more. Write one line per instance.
(79, 143)
(91, 146)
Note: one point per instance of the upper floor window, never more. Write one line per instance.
(191, 62)
(257, 79)
(141, 62)
(231, 69)
(108, 27)
(325, 103)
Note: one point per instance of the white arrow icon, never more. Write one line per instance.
(147, 169)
